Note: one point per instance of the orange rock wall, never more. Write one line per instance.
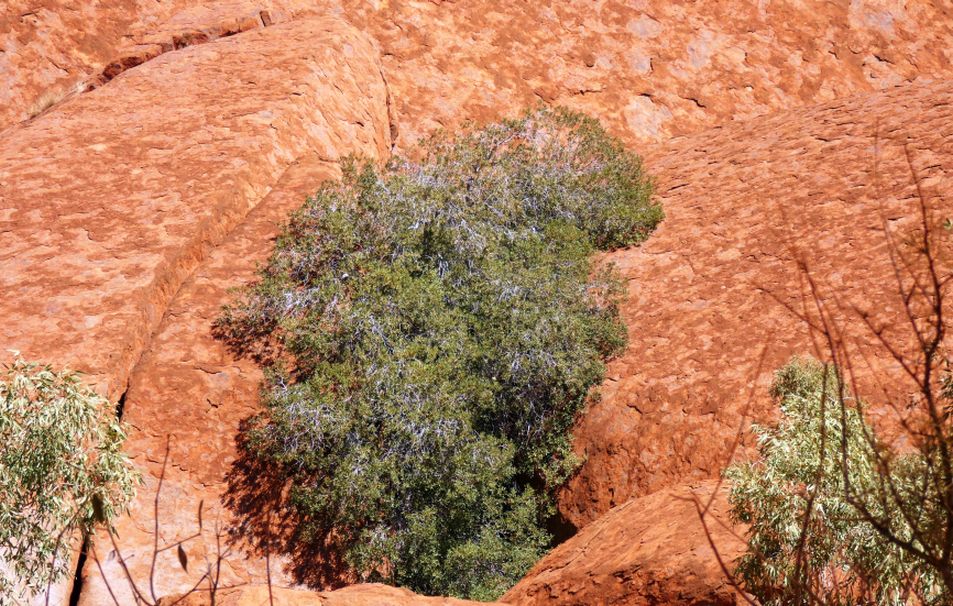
(52, 50)
(110, 202)
(650, 69)
(707, 292)
(190, 393)
(148, 150)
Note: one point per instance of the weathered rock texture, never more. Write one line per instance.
(51, 50)
(190, 393)
(49, 47)
(165, 139)
(650, 69)
(743, 204)
(356, 595)
(651, 550)
(186, 385)
(109, 202)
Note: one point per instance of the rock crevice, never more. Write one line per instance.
(106, 217)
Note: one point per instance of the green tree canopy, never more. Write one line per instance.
(61, 473)
(443, 324)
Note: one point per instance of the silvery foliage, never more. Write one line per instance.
(445, 323)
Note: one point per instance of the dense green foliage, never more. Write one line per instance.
(61, 473)
(806, 463)
(445, 324)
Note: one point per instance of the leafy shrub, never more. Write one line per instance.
(444, 325)
(61, 473)
(806, 463)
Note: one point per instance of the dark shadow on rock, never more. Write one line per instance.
(266, 520)
(257, 489)
(244, 340)
(560, 528)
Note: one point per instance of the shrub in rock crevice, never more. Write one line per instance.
(442, 323)
(61, 474)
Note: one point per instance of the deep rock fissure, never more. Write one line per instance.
(391, 119)
(560, 528)
(126, 62)
(77, 589)
(179, 41)
(121, 404)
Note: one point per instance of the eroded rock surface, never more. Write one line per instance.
(655, 549)
(190, 393)
(51, 50)
(110, 201)
(649, 69)
(199, 111)
(707, 292)
(49, 47)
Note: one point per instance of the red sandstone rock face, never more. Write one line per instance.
(110, 200)
(185, 384)
(48, 48)
(51, 50)
(649, 69)
(742, 203)
(190, 392)
(651, 550)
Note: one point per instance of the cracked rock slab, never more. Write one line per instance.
(51, 50)
(111, 200)
(191, 392)
(650, 550)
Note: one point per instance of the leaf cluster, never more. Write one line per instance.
(61, 473)
(807, 541)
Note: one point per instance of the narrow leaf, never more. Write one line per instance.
(183, 559)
